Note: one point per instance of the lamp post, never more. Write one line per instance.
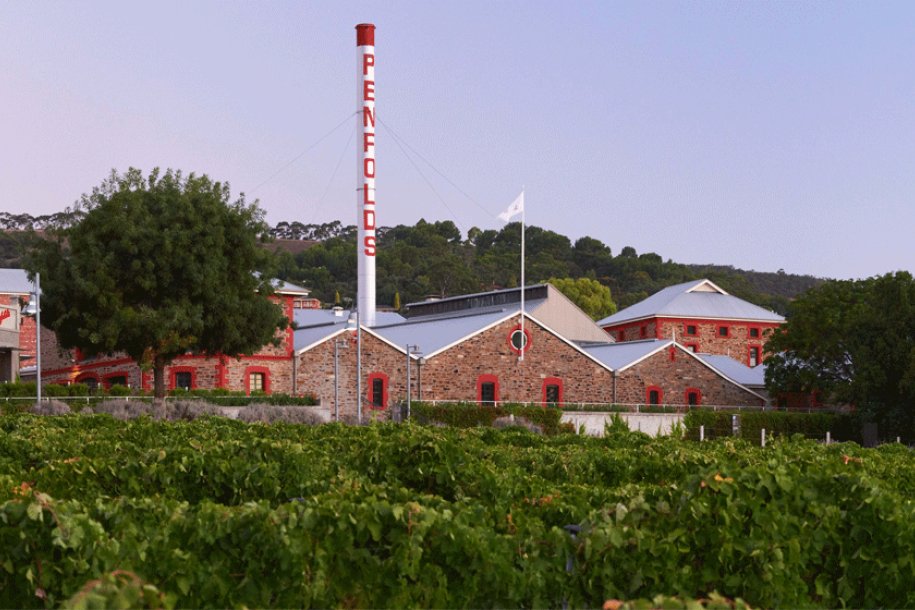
(410, 349)
(338, 343)
(33, 308)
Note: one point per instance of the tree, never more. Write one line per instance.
(593, 297)
(852, 342)
(157, 267)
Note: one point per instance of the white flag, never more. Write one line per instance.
(514, 209)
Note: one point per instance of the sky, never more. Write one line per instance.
(763, 135)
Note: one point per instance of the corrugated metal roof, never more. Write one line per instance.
(15, 281)
(284, 287)
(736, 370)
(432, 335)
(684, 300)
(620, 355)
(306, 337)
(315, 317)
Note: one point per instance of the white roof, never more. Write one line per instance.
(698, 299)
(316, 317)
(736, 370)
(284, 287)
(15, 281)
(436, 334)
(618, 356)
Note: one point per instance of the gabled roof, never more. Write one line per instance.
(698, 299)
(306, 338)
(434, 334)
(15, 281)
(619, 356)
(735, 370)
(284, 287)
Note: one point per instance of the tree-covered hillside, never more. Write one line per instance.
(436, 259)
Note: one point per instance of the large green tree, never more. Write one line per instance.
(853, 342)
(590, 295)
(158, 266)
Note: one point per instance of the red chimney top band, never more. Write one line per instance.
(365, 35)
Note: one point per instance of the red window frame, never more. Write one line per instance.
(257, 369)
(727, 331)
(686, 332)
(384, 391)
(527, 344)
(750, 350)
(106, 380)
(692, 346)
(649, 390)
(548, 382)
(750, 334)
(173, 371)
(695, 391)
(86, 376)
(487, 379)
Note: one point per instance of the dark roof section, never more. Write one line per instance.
(495, 298)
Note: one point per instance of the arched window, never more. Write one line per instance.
(552, 391)
(487, 390)
(377, 391)
(119, 378)
(90, 379)
(654, 395)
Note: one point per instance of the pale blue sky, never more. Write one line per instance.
(763, 135)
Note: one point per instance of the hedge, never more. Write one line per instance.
(472, 415)
(842, 427)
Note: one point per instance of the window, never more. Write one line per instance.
(723, 331)
(754, 356)
(518, 340)
(256, 382)
(691, 329)
(754, 332)
(654, 395)
(693, 397)
(552, 391)
(378, 391)
(116, 380)
(90, 380)
(184, 379)
(693, 347)
(257, 379)
(643, 331)
(488, 389)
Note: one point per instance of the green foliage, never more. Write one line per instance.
(470, 415)
(718, 424)
(854, 343)
(590, 295)
(96, 512)
(158, 266)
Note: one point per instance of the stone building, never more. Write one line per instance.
(702, 317)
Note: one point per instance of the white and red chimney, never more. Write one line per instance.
(365, 199)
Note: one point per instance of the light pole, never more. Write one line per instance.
(34, 309)
(409, 381)
(338, 343)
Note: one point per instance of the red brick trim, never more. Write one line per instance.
(527, 343)
(257, 369)
(551, 381)
(487, 379)
(695, 391)
(174, 370)
(649, 390)
(384, 390)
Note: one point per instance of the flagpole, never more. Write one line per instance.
(523, 336)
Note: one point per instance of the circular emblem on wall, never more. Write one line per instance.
(519, 341)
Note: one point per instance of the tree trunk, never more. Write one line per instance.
(159, 387)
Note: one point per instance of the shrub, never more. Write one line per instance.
(189, 410)
(269, 414)
(471, 415)
(516, 422)
(119, 390)
(55, 390)
(50, 407)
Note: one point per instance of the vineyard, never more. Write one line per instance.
(96, 512)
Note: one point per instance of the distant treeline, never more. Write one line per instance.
(436, 259)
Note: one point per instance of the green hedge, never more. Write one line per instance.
(472, 415)
(842, 427)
